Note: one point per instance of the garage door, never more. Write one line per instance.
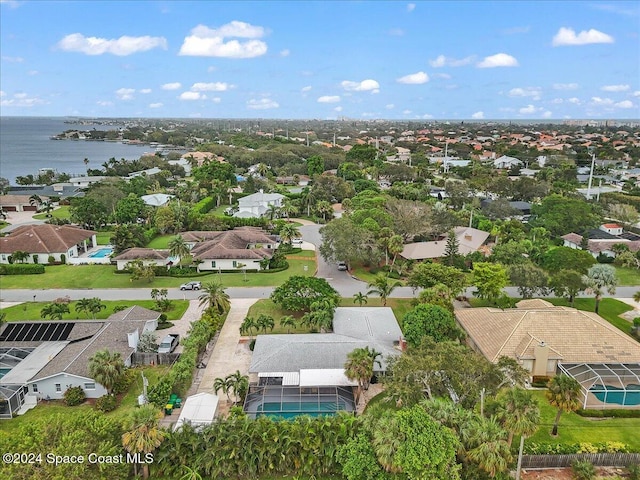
(30, 208)
(9, 208)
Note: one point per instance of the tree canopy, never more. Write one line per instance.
(429, 320)
(299, 292)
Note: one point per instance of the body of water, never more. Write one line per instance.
(26, 147)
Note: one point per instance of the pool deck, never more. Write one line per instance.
(86, 259)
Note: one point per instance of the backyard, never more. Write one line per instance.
(104, 276)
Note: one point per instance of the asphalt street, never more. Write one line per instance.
(343, 282)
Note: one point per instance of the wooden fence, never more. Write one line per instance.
(140, 358)
(597, 459)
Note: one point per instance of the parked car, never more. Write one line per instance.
(296, 241)
(191, 286)
(342, 266)
(169, 343)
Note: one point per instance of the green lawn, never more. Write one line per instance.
(60, 212)
(400, 306)
(575, 429)
(628, 276)
(103, 276)
(31, 310)
(104, 238)
(610, 308)
(302, 254)
(161, 242)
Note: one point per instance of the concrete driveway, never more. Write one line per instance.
(17, 219)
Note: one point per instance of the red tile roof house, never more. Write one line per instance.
(229, 250)
(62, 242)
(149, 256)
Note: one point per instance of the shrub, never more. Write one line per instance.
(614, 413)
(74, 396)
(21, 269)
(634, 472)
(252, 344)
(204, 205)
(603, 258)
(125, 381)
(63, 258)
(106, 403)
(35, 257)
(119, 308)
(51, 260)
(583, 470)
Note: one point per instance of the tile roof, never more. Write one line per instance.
(17, 199)
(136, 253)
(44, 238)
(576, 336)
(469, 239)
(231, 244)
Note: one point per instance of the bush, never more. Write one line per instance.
(74, 396)
(164, 325)
(602, 258)
(125, 381)
(51, 260)
(252, 344)
(107, 403)
(35, 258)
(583, 470)
(634, 472)
(204, 206)
(614, 413)
(119, 308)
(21, 269)
(63, 258)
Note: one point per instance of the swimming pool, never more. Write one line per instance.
(103, 252)
(617, 395)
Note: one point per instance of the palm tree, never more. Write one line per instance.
(564, 394)
(382, 287)
(35, 200)
(95, 306)
(106, 368)
(360, 298)
(272, 211)
(55, 311)
(214, 297)
(490, 450)
(82, 305)
(395, 247)
(247, 326)
(518, 412)
(19, 256)
(636, 296)
(359, 367)
(178, 248)
(287, 321)
(600, 278)
(265, 322)
(221, 385)
(47, 206)
(288, 232)
(324, 208)
(288, 209)
(238, 384)
(142, 432)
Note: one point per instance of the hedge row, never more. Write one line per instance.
(534, 448)
(615, 413)
(21, 269)
(204, 206)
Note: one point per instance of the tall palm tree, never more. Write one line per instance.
(273, 211)
(106, 368)
(238, 384)
(35, 200)
(359, 367)
(324, 208)
(518, 412)
(563, 392)
(288, 321)
(600, 278)
(214, 297)
(490, 450)
(221, 385)
(288, 209)
(142, 432)
(383, 287)
(360, 298)
(179, 248)
(288, 232)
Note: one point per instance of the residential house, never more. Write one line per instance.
(243, 247)
(156, 199)
(546, 340)
(601, 240)
(505, 162)
(19, 203)
(148, 256)
(258, 204)
(44, 359)
(469, 240)
(61, 242)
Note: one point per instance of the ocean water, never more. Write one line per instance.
(25, 147)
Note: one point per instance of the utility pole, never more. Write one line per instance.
(593, 163)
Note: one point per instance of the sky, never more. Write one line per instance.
(321, 60)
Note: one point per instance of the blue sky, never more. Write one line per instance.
(326, 59)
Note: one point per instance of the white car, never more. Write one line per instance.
(191, 286)
(296, 242)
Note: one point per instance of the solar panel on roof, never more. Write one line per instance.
(67, 330)
(36, 332)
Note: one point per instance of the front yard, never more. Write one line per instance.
(104, 276)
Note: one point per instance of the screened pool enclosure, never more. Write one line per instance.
(606, 385)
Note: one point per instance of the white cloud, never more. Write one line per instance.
(406, 112)
(145, 90)
(574, 100)
(337, 109)
(636, 93)
(498, 60)
(567, 36)
(363, 86)
(414, 78)
(615, 88)
(390, 106)
(125, 93)
(285, 52)
(601, 101)
(565, 86)
(547, 114)
(155, 105)
(192, 96)
(262, 104)
(211, 87)
(528, 110)
(306, 89)
(557, 101)
(624, 104)
(442, 61)
(2, 93)
(104, 103)
(478, 115)
(411, 7)
(171, 86)
(329, 99)
(526, 92)
(12, 59)
(21, 100)
(125, 45)
(208, 42)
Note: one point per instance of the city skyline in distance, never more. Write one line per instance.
(329, 60)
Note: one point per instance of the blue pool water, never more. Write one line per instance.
(4, 371)
(616, 395)
(103, 252)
